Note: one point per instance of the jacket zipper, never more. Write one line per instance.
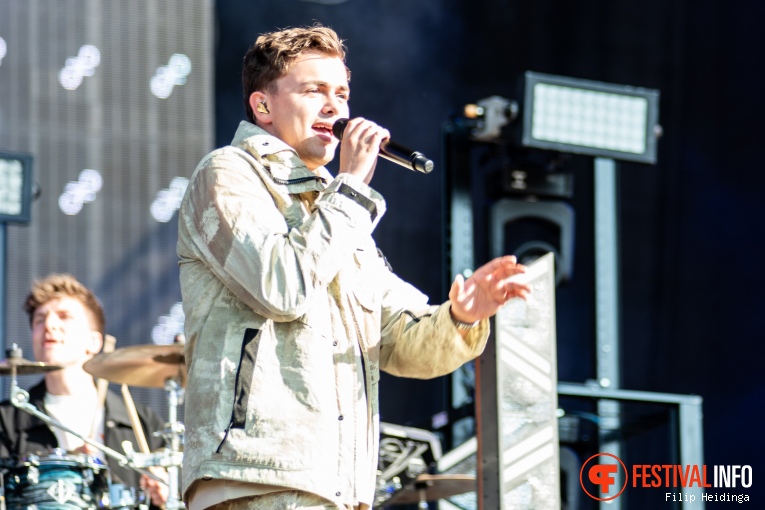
(244, 373)
(362, 349)
(298, 180)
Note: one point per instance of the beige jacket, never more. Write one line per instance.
(291, 313)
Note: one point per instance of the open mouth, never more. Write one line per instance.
(323, 129)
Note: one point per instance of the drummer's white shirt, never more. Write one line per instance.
(79, 413)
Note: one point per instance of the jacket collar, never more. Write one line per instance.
(283, 162)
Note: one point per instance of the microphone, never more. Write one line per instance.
(393, 151)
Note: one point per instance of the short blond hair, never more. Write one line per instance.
(58, 285)
(274, 53)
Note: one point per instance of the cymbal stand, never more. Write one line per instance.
(422, 490)
(173, 436)
(20, 399)
(172, 457)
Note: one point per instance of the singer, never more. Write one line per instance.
(291, 310)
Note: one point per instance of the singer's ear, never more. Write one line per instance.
(258, 100)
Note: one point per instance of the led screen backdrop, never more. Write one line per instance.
(114, 101)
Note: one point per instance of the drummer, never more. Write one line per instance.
(67, 330)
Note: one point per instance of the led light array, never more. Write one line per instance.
(11, 184)
(589, 118)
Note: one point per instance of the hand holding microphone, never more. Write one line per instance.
(360, 146)
(392, 151)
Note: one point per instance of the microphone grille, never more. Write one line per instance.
(338, 127)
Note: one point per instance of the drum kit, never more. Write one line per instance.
(62, 480)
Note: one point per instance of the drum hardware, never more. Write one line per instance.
(127, 498)
(173, 434)
(432, 488)
(57, 480)
(20, 399)
(26, 367)
(400, 462)
(405, 453)
(148, 366)
(152, 366)
(170, 460)
(165, 459)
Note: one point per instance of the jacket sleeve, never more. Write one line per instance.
(230, 221)
(421, 341)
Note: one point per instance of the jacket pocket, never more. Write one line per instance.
(365, 283)
(243, 382)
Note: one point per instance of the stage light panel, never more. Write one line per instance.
(589, 117)
(15, 187)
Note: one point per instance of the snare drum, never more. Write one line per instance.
(57, 480)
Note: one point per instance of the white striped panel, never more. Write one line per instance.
(529, 355)
(526, 370)
(528, 462)
(532, 442)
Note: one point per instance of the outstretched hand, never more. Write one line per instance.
(487, 290)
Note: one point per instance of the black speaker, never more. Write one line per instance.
(529, 229)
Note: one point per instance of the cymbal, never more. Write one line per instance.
(26, 367)
(140, 365)
(435, 487)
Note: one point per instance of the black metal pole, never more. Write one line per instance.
(3, 252)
